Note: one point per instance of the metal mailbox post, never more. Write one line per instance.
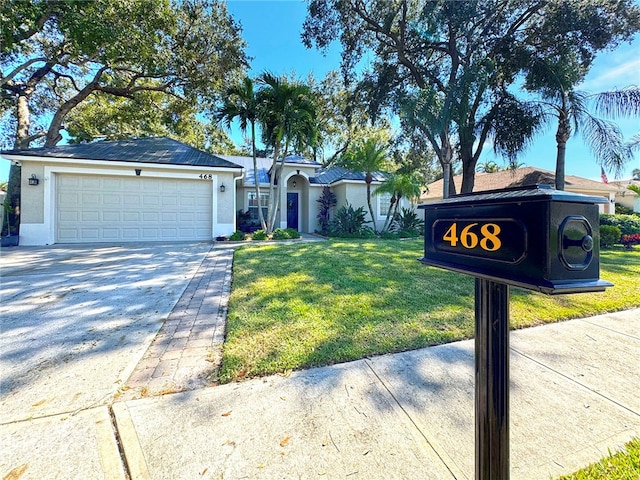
(531, 237)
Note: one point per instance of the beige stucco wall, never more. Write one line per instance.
(629, 200)
(315, 192)
(226, 199)
(32, 197)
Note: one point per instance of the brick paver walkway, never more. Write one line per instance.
(187, 350)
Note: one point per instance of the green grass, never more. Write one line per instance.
(313, 304)
(623, 465)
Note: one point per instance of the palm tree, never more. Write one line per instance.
(287, 114)
(366, 156)
(398, 185)
(559, 100)
(489, 167)
(601, 135)
(241, 103)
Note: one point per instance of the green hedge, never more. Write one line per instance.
(628, 224)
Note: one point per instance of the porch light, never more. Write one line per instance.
(293, 184)
(222, 187)
(33, 180)
(138, 170)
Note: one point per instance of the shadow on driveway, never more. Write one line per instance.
(74, 321)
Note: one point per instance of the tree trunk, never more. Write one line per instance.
(468, 175)
(263, 224)
(368, 181)
(23, 119)
(388, 222)
(468, 162)
(445, 157)
(562, 136)
(271, 206)
(11, 219)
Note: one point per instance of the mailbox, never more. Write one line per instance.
(532, 237)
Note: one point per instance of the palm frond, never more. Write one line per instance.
(634, 143)
(618, 103)
(607, 143)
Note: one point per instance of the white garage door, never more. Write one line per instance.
(110, 209)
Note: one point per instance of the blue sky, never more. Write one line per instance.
(272, 32)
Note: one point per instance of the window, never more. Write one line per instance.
(384, 201)
(252, 204)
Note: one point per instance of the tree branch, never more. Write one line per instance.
(20, 68)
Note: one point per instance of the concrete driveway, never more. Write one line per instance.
(75, 320)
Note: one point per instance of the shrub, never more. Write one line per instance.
(259, 235)
(628, 224)
(609, 235)
(292, 232)
(237, 236)
(622, 210)
(327, 200)
(407, 224)
(630, 240)
(279, 234)
(350, 223)
(246, 223)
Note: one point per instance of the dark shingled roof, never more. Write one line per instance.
(333, 174)
(158, 150)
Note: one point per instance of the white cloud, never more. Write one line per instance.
(619, 77)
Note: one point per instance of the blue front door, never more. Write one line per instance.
(292, 210)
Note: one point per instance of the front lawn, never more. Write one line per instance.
(623, 465)
(313, 304)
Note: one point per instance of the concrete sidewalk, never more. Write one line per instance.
(574, 396)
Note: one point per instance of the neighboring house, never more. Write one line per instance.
(149, 189)
(304, 180)
(159, 189)
(626, 197)
(532, 176)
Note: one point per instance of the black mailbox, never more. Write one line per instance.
(532, 237)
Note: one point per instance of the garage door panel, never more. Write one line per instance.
(88, 234)
(105, 209)
(110, 216)
(111, 234)
(131, 200)
(90, 182)
(90, 216)
(130, 216)
(90, 199)
(152, 201)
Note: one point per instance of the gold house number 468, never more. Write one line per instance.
(488, 238)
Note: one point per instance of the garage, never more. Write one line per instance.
(151, 189)
(94, 208)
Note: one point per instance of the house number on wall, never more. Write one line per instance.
(205, 176)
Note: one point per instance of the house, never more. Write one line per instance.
(304, 180)
(626, 197)
(159, 189)
(149, 189)
(532, 176)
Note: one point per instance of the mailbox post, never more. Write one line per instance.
(531, 237)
